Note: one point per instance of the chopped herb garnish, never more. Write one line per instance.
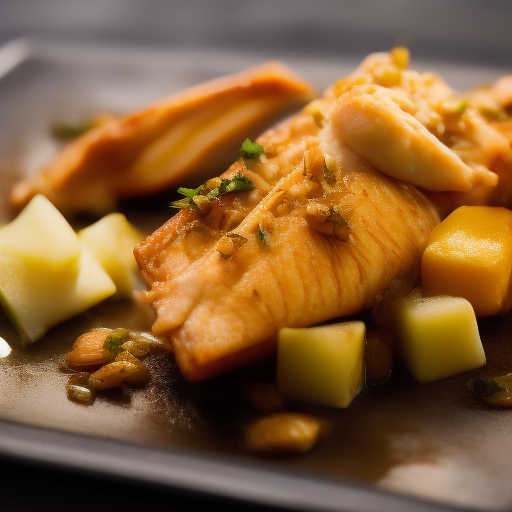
(236, 184)
(181, 203)
(251, 150)
(114, 341)
(190, 192)
(66, 132)
(329, 176)
(484, 387)
(316, 110)
(263, 235)
(188, 200)
(461, 107)
(239, 182)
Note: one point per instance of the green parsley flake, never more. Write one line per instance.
(461, 107)
(114, 341)
(263, 235)
(251, 150)
(188, 200)
(239, 182)
(67, 132)
(483, 387)
(190, 192)
(329, 176)
(236, 184)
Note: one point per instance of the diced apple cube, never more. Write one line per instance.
(40, 236)
(35, 301)
(112, 240)
(36, 294)
(321, 365)
(436, 337)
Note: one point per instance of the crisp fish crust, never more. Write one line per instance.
(327, 228)
(167, 143)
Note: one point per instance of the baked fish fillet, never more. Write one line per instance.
(327, 227)
(185, 136)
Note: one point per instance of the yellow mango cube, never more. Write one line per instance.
(41, 237)
(469, 254)
(321, 365)
(436, 337)
(111, 240)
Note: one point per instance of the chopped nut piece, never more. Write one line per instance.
(328, 220)
(141, 376)
(283, 433)
(143, 343)
(112, 374)
(78, 390)
(319, 211)
(115, 339)
(89, 350)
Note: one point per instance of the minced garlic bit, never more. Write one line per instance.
(229, 244)
(319, 211)
(329, 220)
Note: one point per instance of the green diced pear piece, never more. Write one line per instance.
(436, 336)
(40, 236)
(36, 301)
(46, 275)
(112, 240)
(322, 365)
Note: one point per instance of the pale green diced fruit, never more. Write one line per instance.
(40, 236)
(36, 301)
(321, 365)
(436, 336)
(112, 240)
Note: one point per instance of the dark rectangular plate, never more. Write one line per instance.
(399, 446)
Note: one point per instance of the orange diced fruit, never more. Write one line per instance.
(469, 255)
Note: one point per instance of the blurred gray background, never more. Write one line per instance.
(464, 30)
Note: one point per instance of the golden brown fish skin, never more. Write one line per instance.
(224, 312)
(309, 251)
(189, 234)
(129, 157)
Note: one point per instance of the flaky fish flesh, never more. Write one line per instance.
(338, 212)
